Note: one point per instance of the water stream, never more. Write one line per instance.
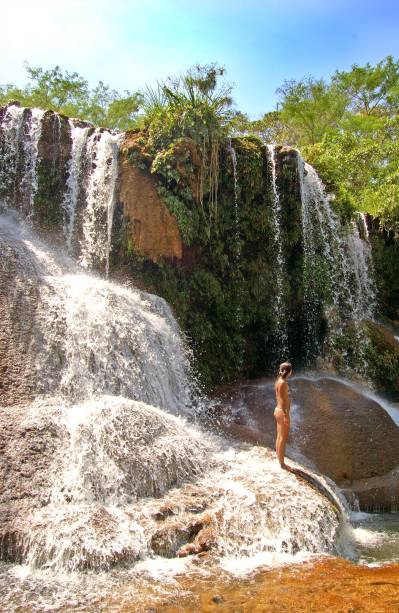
(280, 272)
(74, 182)
(338, 272)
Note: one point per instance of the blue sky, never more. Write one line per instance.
(131, 43)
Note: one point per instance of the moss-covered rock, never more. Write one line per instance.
(386, 266)
(54, 150)
(223, 288)
(382, 356)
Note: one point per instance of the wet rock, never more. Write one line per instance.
(217, 599)
(27, 455)
(19, 293)
(205, 540)
(169, 540)
(378, 494)
(163, 513)
(342, 431)
(347, 435)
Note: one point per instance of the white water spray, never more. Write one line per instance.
(279, 299)
(75, 172)
(103, 150)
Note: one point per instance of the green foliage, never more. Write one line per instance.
(371, 90)
(184, 216)
(360, 164)
(386, 267)
(310, 108)
(348, 129)
(382, 359)
(69, 94)
(195, 106)
(221, 291)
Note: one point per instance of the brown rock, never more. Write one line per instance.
(171, 538)
(19, 291)
(378, 494)
(153, 229)
(184, 537)
(163, 512)
(206, 539)
(348, 436)
(28, 458)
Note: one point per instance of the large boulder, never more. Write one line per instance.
(65, 471)
(346, 434)
(19, 297)
(378, 494)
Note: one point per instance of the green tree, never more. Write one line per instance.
(69, 93)
(122, 112)
(197, 107)
(371, 90)
(309, 108)
(348, 129)
(57, 90)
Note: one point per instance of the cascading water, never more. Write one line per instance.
(11, 129)
(279, 301)
(233, 157)
(103, 149)
(237, 238)
(21, 130)
(92, 173)
(361, 264)
(111, 370)
(337, 263)
(74, 182)
(121, 475)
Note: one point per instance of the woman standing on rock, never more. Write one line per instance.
(282, 411)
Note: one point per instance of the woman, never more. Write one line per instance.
(282, 411)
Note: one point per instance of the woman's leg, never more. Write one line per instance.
(283, 428)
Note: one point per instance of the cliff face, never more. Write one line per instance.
(152, 231)
(257, 266)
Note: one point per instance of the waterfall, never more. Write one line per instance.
(21, 130)
(75, 171)
(96, 337)
(279, 303)
(56, 138)
(29, 175)
(237, 255)
(233, 157)
(338, 275)
(92, 177)
(102, 149)
(115, 395)
(99, 387)
(11, 128)
(363, 285)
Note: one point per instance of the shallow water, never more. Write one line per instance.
(376, 537)
(161, 584)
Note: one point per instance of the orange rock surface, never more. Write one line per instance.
(153, 229)
(331, 585)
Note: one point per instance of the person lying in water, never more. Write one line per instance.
(282, 411)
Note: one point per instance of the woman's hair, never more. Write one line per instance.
(285, 369)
